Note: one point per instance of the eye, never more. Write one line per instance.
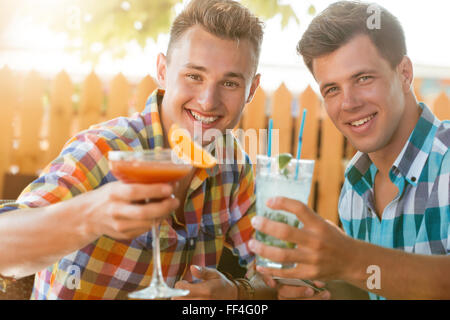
(331, 91)
(194, 76)
(364, 79)
(231, 84)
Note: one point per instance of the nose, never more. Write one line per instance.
(350, 99)
(207, 98)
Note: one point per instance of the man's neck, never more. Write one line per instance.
(384, 158)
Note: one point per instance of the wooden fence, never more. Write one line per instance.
(38, 116)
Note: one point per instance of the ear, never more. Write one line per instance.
(406, 72)
(161, 67)
(254, 86)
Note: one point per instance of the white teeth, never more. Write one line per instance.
(362, 121)
(203, 119)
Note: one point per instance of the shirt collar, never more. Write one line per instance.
(410, 162)
(414, 155)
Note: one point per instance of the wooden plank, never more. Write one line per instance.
(118, 97)
(144, 89)
(254, 118)
(30, 158)
(330, 171)
(60, 115)
(310, 101)
(16, 183)
(20, 289)
(349, 151)
(91, 102)
(9, 102)
(442, 107)
(282, 120)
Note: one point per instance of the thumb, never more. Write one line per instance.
(331, 223)
(204, 273)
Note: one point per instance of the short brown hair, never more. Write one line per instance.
(341, 22)
(223, 18)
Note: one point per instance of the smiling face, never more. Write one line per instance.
(207, 80)
(364, 96)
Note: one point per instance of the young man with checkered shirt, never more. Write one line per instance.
(76, 219)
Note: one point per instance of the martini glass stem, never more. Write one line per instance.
(158, 288)
(157, 278)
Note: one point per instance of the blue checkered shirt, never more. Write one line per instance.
(418, 219)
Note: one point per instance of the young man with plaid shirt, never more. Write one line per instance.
(81, 221)
(394, 204)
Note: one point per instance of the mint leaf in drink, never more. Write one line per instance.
(283, 160)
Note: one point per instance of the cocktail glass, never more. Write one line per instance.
(154, 166)
(271, 182)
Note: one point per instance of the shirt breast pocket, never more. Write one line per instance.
(210, 231)
(214, 225)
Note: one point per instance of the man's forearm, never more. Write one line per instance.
(400, 275)
(32, 239)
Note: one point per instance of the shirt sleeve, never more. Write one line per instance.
(80, 167)
(242, 210)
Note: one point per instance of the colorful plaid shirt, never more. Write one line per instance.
(418, 219)
(218, 209)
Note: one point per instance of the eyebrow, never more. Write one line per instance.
(203, 69)
(368, 71)
(234, 75)
(356, 75)
(193, 66)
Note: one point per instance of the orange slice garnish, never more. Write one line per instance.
(188, 150)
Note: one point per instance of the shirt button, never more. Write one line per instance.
(413, 179)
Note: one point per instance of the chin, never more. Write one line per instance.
(368, 148)
(364, 146)
(365, 150)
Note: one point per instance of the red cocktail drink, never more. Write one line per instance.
(150, 167)
(148, 172)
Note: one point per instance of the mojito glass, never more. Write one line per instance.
(292, 180)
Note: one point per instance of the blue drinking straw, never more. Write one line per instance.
(300, 140)
(269, 148)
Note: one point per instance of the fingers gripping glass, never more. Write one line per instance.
(156, 166)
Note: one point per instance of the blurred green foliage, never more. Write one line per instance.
(267, 9)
